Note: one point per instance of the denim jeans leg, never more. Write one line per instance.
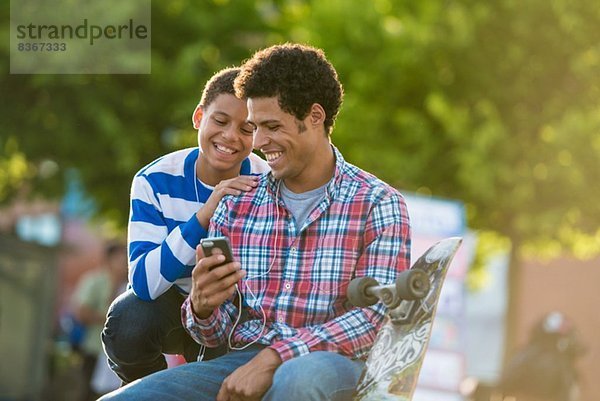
(196, 381)
(136, 333)
(318, 376)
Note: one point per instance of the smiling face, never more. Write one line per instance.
(224, 137)
(298, 151)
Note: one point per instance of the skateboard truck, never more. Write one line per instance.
(394, 362)
(410, 285)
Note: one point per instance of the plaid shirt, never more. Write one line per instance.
(299, 275)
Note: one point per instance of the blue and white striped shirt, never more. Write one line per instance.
(163, 229)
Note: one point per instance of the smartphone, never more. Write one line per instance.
(222, 243)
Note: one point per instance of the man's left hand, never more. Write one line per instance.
(252, 380)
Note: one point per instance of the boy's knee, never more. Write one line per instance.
(129, 320)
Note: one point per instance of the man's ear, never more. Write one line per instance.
(317, 114)
(197, 117)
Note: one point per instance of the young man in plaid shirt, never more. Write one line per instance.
(310, 226)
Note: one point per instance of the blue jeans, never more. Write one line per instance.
(318, 376)
(137, 333)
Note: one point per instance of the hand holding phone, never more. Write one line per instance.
(209, 291)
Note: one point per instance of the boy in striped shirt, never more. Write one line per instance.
(172, 201)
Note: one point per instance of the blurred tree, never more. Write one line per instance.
(109, 126)
(15, 170)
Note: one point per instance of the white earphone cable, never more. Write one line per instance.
(251, 293)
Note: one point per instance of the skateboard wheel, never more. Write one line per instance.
(412, 284)
(357, 291)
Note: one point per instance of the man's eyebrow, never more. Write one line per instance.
(265, 122)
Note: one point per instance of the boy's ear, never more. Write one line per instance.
(197, 117)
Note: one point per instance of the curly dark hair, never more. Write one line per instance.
(221, 82)
(299, 75)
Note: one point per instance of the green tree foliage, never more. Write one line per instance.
(496, 103)
(15, 170)
(109, 126)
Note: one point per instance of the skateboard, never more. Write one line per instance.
(395, 360)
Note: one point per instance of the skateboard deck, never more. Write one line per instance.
(395, 360)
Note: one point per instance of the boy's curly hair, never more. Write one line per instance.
(221, 82)
(298, 75)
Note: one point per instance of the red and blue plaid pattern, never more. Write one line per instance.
(299, 275)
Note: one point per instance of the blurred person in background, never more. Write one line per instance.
(91, 299)
(545, 369)
(172, 201)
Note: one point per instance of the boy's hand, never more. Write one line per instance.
(233, 186)
(212, 283)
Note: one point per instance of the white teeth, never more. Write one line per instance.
(224, 149)
(272, 156)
